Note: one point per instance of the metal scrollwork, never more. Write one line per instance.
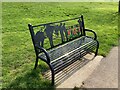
(59, 30)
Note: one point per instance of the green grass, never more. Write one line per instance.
(18, 55)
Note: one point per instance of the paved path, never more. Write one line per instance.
(98, 73)
(106, 74)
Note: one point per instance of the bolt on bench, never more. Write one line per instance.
(61, 43)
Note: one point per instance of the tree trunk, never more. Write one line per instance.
(119, 6)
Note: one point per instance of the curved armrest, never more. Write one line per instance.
(42, 49)
(95, 35)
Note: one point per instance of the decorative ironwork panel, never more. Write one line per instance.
(51, 35)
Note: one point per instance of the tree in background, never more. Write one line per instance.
(119, 6)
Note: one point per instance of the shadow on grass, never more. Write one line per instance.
(30, 80)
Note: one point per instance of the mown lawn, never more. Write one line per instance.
(18, 56)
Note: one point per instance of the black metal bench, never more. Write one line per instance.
(61, 43)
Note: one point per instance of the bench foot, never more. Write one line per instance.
(96, 53)
(36, 63)
(53, 77)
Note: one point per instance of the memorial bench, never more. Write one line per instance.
(61, 43)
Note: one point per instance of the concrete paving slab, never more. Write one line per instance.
(106, 74)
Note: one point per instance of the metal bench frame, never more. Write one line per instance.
(43, 50)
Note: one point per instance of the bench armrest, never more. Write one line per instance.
(45, 52)
(95, 35)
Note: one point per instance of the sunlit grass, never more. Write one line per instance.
(18, 52)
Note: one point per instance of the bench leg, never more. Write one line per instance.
(36, 63)
(53, 79)
(97, 48)
(52, 75)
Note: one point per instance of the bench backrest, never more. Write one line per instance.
(53, 34)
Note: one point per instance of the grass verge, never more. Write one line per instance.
(18, 54)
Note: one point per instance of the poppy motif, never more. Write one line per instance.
(74, 32)
(68, 32)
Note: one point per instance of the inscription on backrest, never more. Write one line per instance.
(50, 35)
